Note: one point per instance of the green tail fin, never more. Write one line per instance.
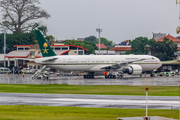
(46, 50)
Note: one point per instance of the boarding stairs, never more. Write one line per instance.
(38, 72)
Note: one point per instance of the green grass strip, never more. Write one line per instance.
(26, 112)
(90, 89)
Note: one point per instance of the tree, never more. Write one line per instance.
(140, 45)
(16, 39)
(40, 27)
(91, 39)
(18, 14)
(90, 46)
(50, 39)
(105, 41)
(164, 50)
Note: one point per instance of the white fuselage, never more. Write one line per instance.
(96, 62)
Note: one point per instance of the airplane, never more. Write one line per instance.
(92, 64)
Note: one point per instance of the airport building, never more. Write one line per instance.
(33, 51)
(121, 49)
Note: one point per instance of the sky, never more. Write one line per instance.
(119, 19)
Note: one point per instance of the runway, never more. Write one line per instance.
(100, 101)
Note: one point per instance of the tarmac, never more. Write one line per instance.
(99, 80)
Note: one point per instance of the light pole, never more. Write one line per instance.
(99, 31)
(1, 2)
(4, 47)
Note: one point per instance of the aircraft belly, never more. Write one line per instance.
(148, 67)
(72, 67)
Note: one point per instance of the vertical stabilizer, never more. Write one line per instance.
(46, 50)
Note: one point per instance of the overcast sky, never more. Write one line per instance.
(119, 19)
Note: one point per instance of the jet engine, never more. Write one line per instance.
(133, 70)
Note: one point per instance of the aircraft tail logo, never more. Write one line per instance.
(46, 49)
(45, 46)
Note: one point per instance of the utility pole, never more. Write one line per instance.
(99, 31)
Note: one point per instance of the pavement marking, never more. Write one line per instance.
(116, 101)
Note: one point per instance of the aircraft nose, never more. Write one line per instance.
(159, 62)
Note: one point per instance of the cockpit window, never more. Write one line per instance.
(152, 58)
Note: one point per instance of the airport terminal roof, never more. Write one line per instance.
(25, 53)
(170, 37)
(18, 54)
(101, 46)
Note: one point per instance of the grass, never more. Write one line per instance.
(26, 112)
(91, 89)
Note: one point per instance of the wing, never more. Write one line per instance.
(50, 60)
(117, 66)
(25, 59)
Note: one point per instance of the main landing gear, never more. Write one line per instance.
(152, 74)
(88, 76)
(110, 76)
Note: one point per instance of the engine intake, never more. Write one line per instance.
(133, 70)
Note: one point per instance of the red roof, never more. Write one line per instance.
(170, 37)
(178, 48)
(101, 46)
(120, 48)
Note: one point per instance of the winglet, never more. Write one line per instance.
(46, 50)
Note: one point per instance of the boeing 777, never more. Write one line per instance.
(109, 64)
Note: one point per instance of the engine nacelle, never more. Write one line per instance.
(133, 70)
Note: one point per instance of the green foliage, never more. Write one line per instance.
(90, 46)
(91, 39)
(50, 39)
(140, 45)
(42, 28)
(164, 50)
(105, 41)
(16, 39)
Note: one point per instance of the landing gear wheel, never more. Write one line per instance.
(152, 75)
(114, 76)
(85, 76)
(108, 76)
